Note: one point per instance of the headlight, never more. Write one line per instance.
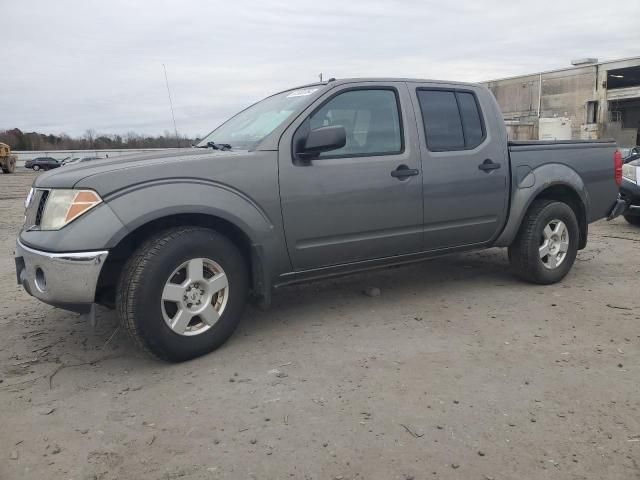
(64, 206)
(630, 172)
(27, 201)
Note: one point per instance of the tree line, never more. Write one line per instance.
(90, 140)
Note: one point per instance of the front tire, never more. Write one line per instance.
(10, 166)
(547, 243)
(182, 293)
(36, 168)
(633, 219)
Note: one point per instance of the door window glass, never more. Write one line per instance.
(471, 121)
(370, 118)
(451, 120)
(441, 120)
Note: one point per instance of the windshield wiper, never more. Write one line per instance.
(217, 146)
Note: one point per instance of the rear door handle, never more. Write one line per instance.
(488, 165)
(403, 172)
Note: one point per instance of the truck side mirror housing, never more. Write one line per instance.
(323, 139)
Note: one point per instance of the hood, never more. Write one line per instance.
(136, 167)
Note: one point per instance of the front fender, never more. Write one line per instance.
(141, 204)
(528, 186)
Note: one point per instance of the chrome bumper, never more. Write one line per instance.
(66, 280)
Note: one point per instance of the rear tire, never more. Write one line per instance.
(547, 243)
(633, 219)
(163, 264)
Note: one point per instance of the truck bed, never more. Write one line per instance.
(520, 143)
(590, 162)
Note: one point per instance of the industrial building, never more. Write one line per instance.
(589, 100)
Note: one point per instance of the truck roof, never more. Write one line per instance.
(341, 81)
(392, 79)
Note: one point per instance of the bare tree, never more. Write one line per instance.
(90, 135)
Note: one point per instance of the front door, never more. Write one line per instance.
(465, 165)
(362, 201)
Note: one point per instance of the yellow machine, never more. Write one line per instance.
(7, 161)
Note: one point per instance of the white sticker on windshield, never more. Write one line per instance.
(302, 93)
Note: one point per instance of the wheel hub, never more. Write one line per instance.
(194, 295)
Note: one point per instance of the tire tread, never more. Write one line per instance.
(633, 219)
(126, 297)
(522, 258)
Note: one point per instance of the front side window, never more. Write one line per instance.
(451, 119)
(371, 120)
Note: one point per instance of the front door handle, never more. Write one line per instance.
(403, 172)
(488, 165)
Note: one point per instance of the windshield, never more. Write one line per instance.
(250, 126)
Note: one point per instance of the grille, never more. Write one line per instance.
(33, 215)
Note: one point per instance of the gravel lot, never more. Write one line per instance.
(456, 371)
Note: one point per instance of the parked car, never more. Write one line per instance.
(313, 182)
(70, 160)
(77, 160)
(628, 151)
(42, 163)
(630, 189)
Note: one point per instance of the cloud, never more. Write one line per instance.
(75, 65)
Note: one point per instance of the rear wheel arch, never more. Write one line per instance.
(566, 194)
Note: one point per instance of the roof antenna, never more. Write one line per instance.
(175, 128)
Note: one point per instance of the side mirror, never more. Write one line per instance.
(323, 139)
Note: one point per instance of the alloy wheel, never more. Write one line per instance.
(195, 296)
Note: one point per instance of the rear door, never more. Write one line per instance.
(348, 205)
(465, 165)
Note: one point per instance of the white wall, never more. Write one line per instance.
(60, 154)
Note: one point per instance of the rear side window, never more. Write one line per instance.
(451, 119)
(471, 121)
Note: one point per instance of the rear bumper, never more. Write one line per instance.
(65, 280)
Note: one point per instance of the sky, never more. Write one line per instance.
(68, 66)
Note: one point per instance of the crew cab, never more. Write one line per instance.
(321, 180)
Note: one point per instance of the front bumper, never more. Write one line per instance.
(630, 194)
(65, 280)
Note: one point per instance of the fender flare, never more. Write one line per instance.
(531, 186)
(141, 204)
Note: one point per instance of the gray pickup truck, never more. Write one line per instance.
(320, 180)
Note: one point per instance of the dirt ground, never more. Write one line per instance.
(456, 371)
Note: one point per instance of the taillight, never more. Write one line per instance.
(617, 160)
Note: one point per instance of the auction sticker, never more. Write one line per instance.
(302, 93)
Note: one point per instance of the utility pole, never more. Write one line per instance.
(175, 128)
(320, 77)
